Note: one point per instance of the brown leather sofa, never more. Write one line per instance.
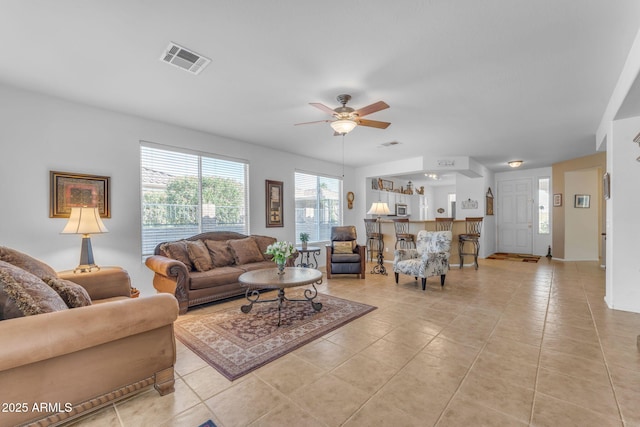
(59, 365)
(197, 276)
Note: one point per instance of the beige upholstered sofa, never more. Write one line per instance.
(56, 362)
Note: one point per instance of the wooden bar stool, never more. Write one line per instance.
(375, 243)
(444, 224)
(472, 235)
(404, 239)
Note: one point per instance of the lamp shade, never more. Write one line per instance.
(379, 208)
(343, 126)
(84, 221)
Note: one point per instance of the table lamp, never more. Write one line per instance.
(85, 221)
(379, 208)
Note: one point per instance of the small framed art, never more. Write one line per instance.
(582, 201)
(557, 199)
(273, 195)
(70, 190)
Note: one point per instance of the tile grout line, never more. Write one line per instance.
(604, 357)
(453, 395)
(544, 328)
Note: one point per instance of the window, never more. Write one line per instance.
(317, 205)
(543, 206)
(186, 193)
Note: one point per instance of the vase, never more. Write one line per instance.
(304, 246)
(280, 265)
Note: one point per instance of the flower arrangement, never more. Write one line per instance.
(280, 251)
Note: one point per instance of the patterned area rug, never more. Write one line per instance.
(235, 343)
(514, 257)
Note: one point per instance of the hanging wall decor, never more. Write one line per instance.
(273, 195)
(582, 201)
(350, 199)
(557, 199)
(489, 202)
(68, 190)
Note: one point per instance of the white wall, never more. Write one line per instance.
(581, 224)
(622, 225)
(441, 200)
(40, 134)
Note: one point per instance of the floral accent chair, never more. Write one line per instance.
(430, 258)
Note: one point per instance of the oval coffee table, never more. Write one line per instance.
(269, 279)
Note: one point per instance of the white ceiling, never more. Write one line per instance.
(495, 80)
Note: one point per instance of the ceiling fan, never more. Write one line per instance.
(346, 118)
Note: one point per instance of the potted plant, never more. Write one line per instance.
(304, 238)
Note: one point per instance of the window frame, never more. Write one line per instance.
(320, 236)
(148, 244)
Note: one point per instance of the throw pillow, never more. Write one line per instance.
(220, 252)
(178, 251)
(199, 255)
(27, 263)
(71, 293)
(342, 247)
(245, 250)
(263, 242)
(24, 294)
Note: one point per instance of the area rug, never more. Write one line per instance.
(514, 257)
(235, 343)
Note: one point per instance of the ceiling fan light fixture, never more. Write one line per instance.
(515, 163)
(343, 126)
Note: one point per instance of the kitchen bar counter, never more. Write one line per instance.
(389, 236)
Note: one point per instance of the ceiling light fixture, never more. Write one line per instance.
(515, 163)
(343, 126)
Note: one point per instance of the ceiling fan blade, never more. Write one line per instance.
(369, 109)
(317, 121)
(322, 107)
(373, 123)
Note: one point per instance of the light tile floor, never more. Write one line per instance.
(507, 345)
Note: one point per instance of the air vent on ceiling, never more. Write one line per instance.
(184, 59)
(637, 138)
(389, 144)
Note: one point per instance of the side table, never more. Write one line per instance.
(305, 260)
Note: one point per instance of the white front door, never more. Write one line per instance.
(515, 216)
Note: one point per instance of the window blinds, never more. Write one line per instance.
(186, 193)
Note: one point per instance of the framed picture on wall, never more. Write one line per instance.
(557, 200)
(582, 201)
(70, 190)
(273, 196)
(489, 202)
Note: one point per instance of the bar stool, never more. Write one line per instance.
(374, 237)
(404, 239)
(472, 235)
(444, 224)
